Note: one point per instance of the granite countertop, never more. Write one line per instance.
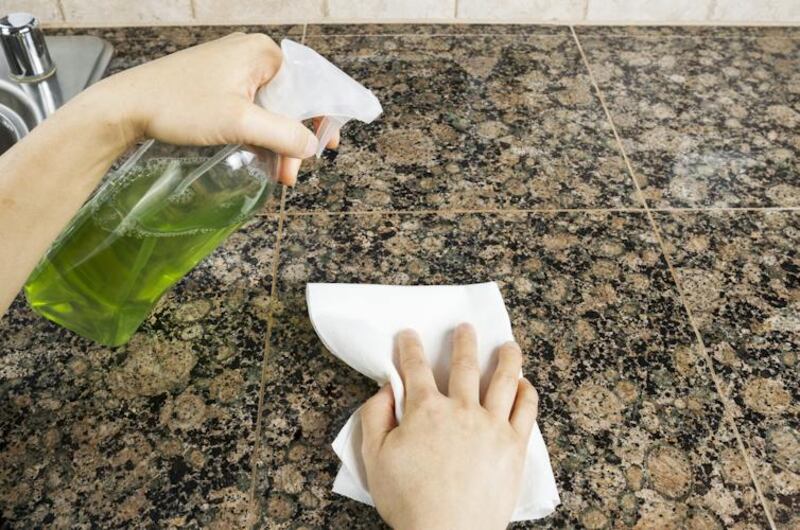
(644, 236)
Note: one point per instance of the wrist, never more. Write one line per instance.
(104, 107)
(436, 520)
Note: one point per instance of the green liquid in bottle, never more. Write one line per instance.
(138, 236)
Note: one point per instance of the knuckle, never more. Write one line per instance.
(239, 122)
(367, 408)
(261, 41)
(426, 397)
(299, 138)
(413, 362)
(462, 406)
(464, 364)
(507, 377)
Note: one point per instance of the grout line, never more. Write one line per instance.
(712, 7)
(509, 211)
(455, 10)
(193, 7)
(500, 211)
(60, 5)
(727, 408)
(266, 354)
(711, 36)
(729, 209)
(303, 36)
(426, 35)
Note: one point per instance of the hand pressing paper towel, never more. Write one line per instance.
(358, 323)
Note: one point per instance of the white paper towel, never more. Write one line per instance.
(358, 323)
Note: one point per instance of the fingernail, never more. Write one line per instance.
(311, 146)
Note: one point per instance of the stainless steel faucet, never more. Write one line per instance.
(25, 48)
(29, 61)
(34, 83)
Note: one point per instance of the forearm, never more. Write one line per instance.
(45, 179)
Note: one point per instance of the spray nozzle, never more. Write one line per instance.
(307, 85)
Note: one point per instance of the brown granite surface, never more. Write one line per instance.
(220, 411)
(469, 122)
(708, 122)
(157, 433)
(635, 428)
(742, 278)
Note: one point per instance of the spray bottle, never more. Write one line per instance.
(167, 207)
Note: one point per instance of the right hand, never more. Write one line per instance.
(452, 462)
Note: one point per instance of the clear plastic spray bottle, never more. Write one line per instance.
(167, 207)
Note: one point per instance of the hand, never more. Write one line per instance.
(452, 462)
(204, 96)
(199, 96)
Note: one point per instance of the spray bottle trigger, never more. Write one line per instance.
(328, 127)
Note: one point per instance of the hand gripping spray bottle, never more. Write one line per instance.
(168, 207)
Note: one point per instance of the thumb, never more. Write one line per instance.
(377, 420)
(282, 135)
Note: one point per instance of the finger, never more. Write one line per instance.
(377, 420)
(288, 169)
(503, 385)
(333, 143)
(526, 408)
(465, 375)
(285, 136)
(414, 368)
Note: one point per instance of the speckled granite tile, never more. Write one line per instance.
(705, 121)
(469, 122)
(634, 427)
(741, 273)
(158, 433)
(688, 31)
(435, 29)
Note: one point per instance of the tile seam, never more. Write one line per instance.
(61, 10)
(727, 407)
(511, 211)
(457, 211)
(265, 358)
(425, 35)
(281, 214)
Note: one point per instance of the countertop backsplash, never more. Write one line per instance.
(186, 12)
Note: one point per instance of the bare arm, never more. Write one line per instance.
(47, 177)
(198, 96)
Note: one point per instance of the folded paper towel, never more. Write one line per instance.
(358, 323)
